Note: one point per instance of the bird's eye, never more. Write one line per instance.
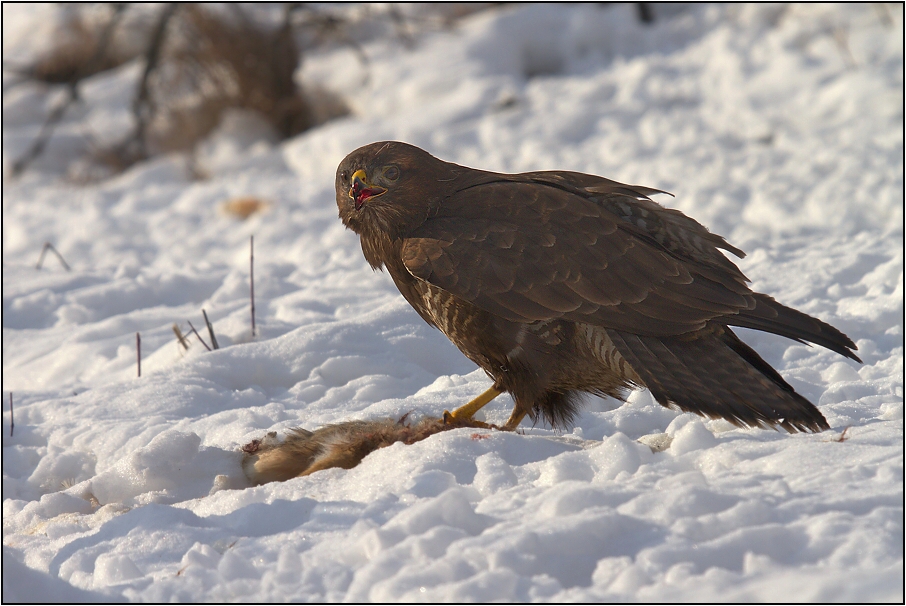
(344, 176)
(391, 173)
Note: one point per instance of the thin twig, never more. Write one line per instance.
(199, 336)
(48, 245)
(138, 352)
(843, 437)
(180, 337)
(12, 422)
(210, 330)
(252, 279)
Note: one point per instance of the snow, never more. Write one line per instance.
(779, 127)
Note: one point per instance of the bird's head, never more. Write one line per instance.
(386, 189)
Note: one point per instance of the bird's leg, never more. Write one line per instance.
(465, 412)
(515, 419)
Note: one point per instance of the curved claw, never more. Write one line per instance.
(450, 418)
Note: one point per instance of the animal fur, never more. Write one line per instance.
(342, 445)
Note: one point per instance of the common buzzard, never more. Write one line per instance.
(558, 283)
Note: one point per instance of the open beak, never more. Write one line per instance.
(361, 190)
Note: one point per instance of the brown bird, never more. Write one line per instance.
(557, 283)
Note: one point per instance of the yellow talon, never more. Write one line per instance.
(466, 411)
(515, 419)
(449, 419)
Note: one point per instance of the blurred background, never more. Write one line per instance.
(90, 89)
(166, 75)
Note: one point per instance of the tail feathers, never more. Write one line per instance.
(712, 373)
(770, 316)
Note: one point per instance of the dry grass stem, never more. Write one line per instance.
(252, 279)
(199, 336)
(842, 437)
(50, 247)
(180, 337)
(210, 330)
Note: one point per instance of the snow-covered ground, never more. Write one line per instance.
(780, 128)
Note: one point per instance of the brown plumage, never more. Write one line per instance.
(558, 283)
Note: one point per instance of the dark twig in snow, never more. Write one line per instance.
(210, 330)
(138, 352)
(48, 245)
(199, 336)
(252, 279)
(12, 423)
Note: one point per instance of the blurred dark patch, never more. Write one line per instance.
(81, 49)
(213, 60)
(201, 60)
(645, 11)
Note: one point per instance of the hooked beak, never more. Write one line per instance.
(361, 190)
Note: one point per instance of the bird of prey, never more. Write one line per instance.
(558, 283)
